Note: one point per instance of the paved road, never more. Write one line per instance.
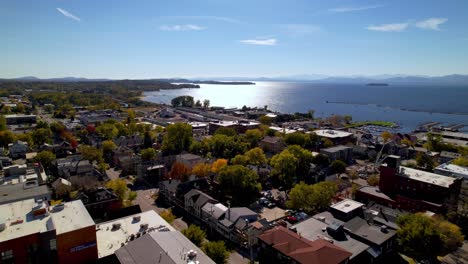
(236, 258)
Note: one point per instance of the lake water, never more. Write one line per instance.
(407, 105)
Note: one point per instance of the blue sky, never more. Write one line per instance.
(173, 38)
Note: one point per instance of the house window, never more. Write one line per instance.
(6, 255)
(53, 244)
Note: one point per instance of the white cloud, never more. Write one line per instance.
(68, 14)
(396, 27)
(431, 23)
(223, 19)
(352, 9)
(301, 29)
(188, 27)
(260, 42)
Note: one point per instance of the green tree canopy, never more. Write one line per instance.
(6, 137)
(217, 251)
(424, 238)
(240, 184)
(425, 161)
(107, 130)
(311, 198)
(228, 131)
(338, 166)
(296, 138)
(195, 234)
(284, 167)
(148, 154)
(184, 101)
(46, 158)
(41, 136)
(3, 125)
(253, 136)
(177, 139)
(91, 153)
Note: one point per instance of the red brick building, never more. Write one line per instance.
(413, 190)
(33, 232)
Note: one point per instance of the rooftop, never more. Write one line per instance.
(452, 169)
(16, 192)
(313, 229)
(332, 133)
(427, 177)
(114, 234)
(347, 205)
(162, 247)
(28, 217)
(369, 232)
(336, 148)
(303, 250)
(281, 129)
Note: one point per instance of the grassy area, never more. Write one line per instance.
(372, 123)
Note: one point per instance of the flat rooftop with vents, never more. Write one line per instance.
(427, 177)
(347, 205)
(117, 233)
(332, 133)
(28, 217)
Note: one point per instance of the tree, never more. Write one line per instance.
(338, 166)
(239, 184)
(253, 136)
(461, 161)
(373, 180)
(228, 131)
(107, 147)
(433, 142)
(184, 101)
(148, 154)
(256, 156)
(217, 251)
(25, 137)
(206, 103)
(109, 131)
(3, 124)
(177, 139)
(91, 153)
(311, 198)
(407, 142)
(311, 113)
(46, 158)
(218, 165)
(386, 136)
(198, 104)
(6, 137)
(304, 158)
(348, 119)
(265, 120)
(424, 238)
(425, 161)
(41, 136)
(321, 160)
(296, 138)
(202, 170)
(179, 171)
(327, 143)
(240, 160)
(168, 215)
(284, 167)
(119, 187)
(195, 234)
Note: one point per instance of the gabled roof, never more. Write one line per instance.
(215, 210)
(303, 250)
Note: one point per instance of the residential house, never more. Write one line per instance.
(18, 149)
(61, 186)
(72, 166)
(272, 144)
(234, 221)
(339, 152)
(134, 142)
(280, 245)
(100, 202)
(119, 152)
(189, 160)
(195, 200)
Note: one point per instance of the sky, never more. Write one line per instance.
(231, 38)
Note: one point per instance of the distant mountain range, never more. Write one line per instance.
(317, 78)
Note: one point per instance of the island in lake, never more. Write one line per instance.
(377, 84)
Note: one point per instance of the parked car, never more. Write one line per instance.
(291, 219)
(301, 216)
